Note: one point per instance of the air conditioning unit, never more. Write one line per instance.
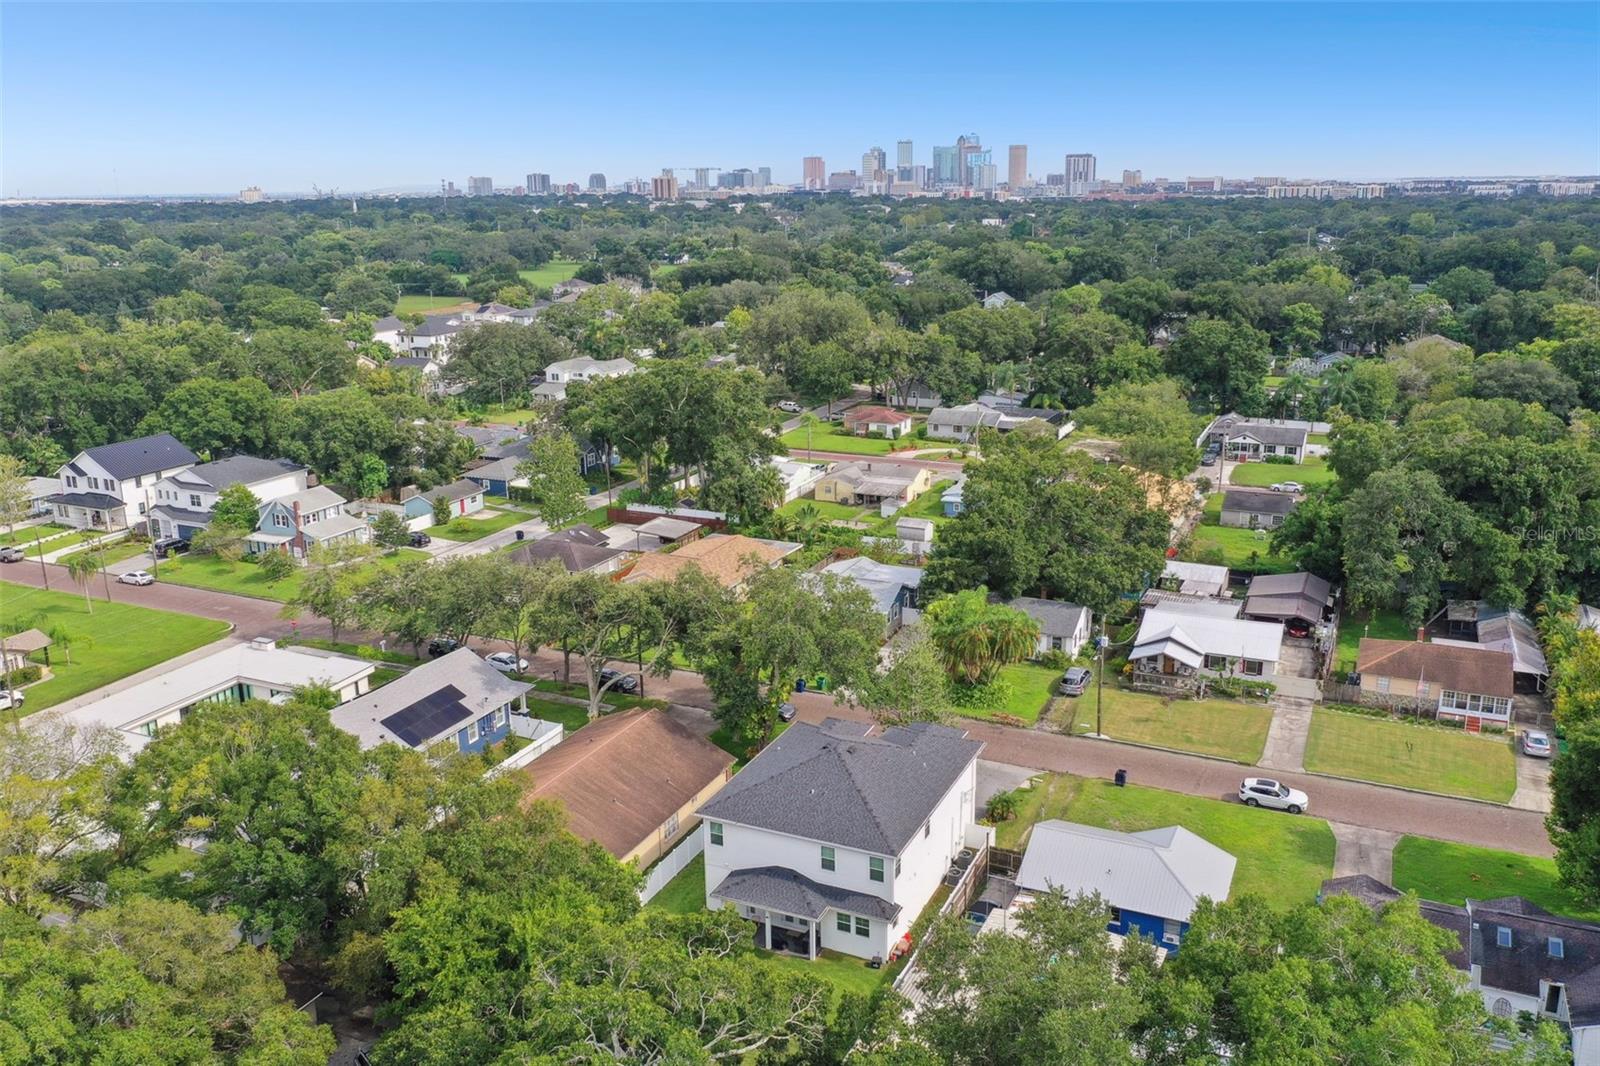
(1169, 938)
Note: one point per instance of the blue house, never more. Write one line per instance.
(1150, 881)
(499, 474)
(457, 700)
(951, 498)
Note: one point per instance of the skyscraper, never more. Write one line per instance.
(985, 176)
(874, 163)
(1132, 178)
(538, 185)
(946, 170)
(902, 154)
(597, 182)
(1080, 173)
(764, 176)
(1017, 172)
(815, 173)
(480, 186)
(665, 187)
(969, 153)
(702, 177)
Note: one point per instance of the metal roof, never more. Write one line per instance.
(1161, 872)
(1169, 632)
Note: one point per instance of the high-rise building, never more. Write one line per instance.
(763, 176)
(968, 146)
(1017, 171)
(252, 195)
(985, 176)
(597, 182)
(664, 187)
(480, 186)
(1080, 173)
(814, 172)
(1132, 178)
(538, 185)
(843, 181)
(902, 154)
(946, 168)
(874, 164)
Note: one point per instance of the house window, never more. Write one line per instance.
(875, 869)
(1557, 948)
(827, 858)
(72, 482)
(1383, 684)
(1252, 667)
(472, 732)
(716, 833)
(1216, 662)
(111, 486)
(1502, 936)
(500, 718)
(842, 923)
(863, 927)
(194, 501)
(1116, 915)
(897, 866)
(671, 828)
(94, 483)
(1170, 931)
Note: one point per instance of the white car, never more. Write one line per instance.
(1288, 486)
(790, 406)
(136, 577)
(10, 700)
(506, 663)
(1265, 792)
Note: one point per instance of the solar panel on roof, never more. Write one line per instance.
(428, 717)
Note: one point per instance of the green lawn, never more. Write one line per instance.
(927, 505)
(414, 305)
(556, 270)
(476, 528)
(685, 893)
(1229, 729)
(830, 438)
(621, 474)
(569, 715)
(722, 737)
(33, 551)
(1242, 549)
(125, 548)
(829, 510)
(108, 642)
(1272, 381)
(1282, 858)
(1379, 624)
(1453, 873)
(27, 534)
(1317, 438)
(1310, 473)
(1030, 687)
(513, 418)
(358, 651)
(1414, 755)
(247, 579)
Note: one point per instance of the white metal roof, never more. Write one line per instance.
(1198, 579)
(1160, 872)
(1180, 635)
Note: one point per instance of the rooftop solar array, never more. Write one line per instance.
(428, 717)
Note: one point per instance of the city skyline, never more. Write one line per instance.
(1465, 104)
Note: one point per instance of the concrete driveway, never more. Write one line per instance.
(1533, 784)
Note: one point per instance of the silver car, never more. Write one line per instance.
(1265, 792)
(1536, 743)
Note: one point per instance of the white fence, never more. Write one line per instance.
(672, 864)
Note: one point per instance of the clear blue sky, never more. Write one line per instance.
(141, 98)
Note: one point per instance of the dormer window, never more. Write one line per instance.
(1502, 936)
(1556, 947)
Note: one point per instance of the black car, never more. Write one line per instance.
(167, 547)
(626, 683)
(420, 540)
(442, 646)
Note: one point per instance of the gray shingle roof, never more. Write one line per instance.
(142, 455)
(1055, 618)
(238, 469)
(836, 784)
(456, 490)
(481, 688)
(783, 891)
(1258, 502)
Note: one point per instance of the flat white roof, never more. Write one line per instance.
(1186, 637)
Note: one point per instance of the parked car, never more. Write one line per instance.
(167, 547)
(11, 554)
(1265, 792)
(786, 711)
(420, 540)
(136, 577)
(1297, 628)
(626, 683)
(1288, 486)
(442, 646)
(507, 663)
(10, 700)
(792, 406)
(1208, 459)
(1536, 743)
(1075, 681)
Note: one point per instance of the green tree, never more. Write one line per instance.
(1403, 536)
(975, 637)
(441, 510)
(389, 530)
(497, 362)
(15, 499)
(1574, 820)
(236, 507)
(913, 687)
(1223, 363)
(558, 489)
(1153, 421)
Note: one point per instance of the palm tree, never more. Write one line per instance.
(975, 638)
(809, 421)
(82, 566)
(1339, 387)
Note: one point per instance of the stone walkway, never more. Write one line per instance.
(1360, 850)
(1286, 739)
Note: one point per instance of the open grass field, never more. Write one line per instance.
(1228, 729)
(107, 642)
(476, 527)
(1030, 688)
(421, 305)
(1413, 755)
(1311, 473)
(1282, 858)
(247, 579)
(829, 438)
(1242, 549)
(557, 270)
(1379, 624)
(1454, 873)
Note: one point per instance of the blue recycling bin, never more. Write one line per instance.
(800, 685)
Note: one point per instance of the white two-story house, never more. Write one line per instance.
(835, 837)
(182, 503)
(109, 488)
(558, 375)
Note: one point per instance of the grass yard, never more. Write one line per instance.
(422, 305)
(1272, 381)
(1317, 438)
(685, 893)
(621, 474)
(513, 418)
(26, 534)
(557, 270)
(1379, 624)
(117, 552)
(109, 642)
(1229, 729)
(569, 715)
(1242, 549)
(1282, 858)
(830, 511)
(247, 579)
(475, 528)
(1415, 755)
(1453, 873)
(722, 737)
(357, 651)
(1311, 473)
(927, 505)
(1029, 689)
(33, 551)
(830, 438)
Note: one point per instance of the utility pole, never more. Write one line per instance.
(1100, 680)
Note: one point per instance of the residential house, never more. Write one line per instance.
(884, 421)
(39, 490)
(425, 367)
(1193, 579)
(1063, 627)
(1251, 439)
(558, 375)
(962, 423)
(996, 300)
(796, 477)
(1477, 624)
(107, 488)
(1518, 956)
(1297, 597)
(1178, 644)
(1255, 508)
(388, 331)
(464, 496)
(1456, 681)
(952, 500)
(433, 337)
(835, 837)
(580, 549)
(871, 482)
(916, 397)
(412, 507)
(728, 559)
(1151, 881)
(1202, 605)
(568, 291)
(182, 503)
(457, 700)
(300, 522)
(256, 670)
(894, 589)
(631, 782)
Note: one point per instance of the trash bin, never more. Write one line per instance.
(521, 533)
(800, 685)
(1121, 778)
(821, 684)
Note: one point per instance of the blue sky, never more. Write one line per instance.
(142, 98)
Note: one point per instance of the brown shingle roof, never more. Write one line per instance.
(873, 414)
(26, 642)
(721, 555)
(1462, 669)
(622, 776)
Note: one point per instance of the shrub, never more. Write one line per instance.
(1278, 460)
(996, 693)
(276, 565)
(1055, 659)
(22, 675)
(1003, 805)
(1240, 688)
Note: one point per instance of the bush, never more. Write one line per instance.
(1003, 806)
(1055, 659)
(996, 693)
(276, 565)
(22, 675)
(1278, 460)
(1240, 688)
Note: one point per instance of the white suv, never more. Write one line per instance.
(1265, 792)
